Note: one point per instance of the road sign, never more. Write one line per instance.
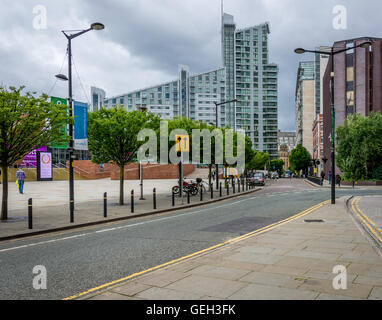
(183, 142)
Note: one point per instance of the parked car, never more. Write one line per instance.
(257, 179)
(274, 175)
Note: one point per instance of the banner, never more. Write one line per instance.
(80, 125)
(44, 166)
(30, 160)
(63, 130)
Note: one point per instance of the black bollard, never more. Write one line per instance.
(105, 205)
(154, 198)
(238, 185)
(212, 191)
(220, 189)
(227, 189)
(173, 199)
(132, 201)
(188, 197)
(201, 193)
(30, 222)
(233, 185)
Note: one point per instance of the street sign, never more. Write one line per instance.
(183, 142)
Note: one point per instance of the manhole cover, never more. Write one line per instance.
(313, 220)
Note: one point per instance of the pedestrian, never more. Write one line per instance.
(213, 175)
(20, 176)
(353, 183)
(338, 180)
(329, 177)
(322, 177)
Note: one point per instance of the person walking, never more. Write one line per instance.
(20, 176)
(330, 177)
(338, 180)
(322, 177)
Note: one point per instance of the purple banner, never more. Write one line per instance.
(30, 160)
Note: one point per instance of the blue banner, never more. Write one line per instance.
(80, 112)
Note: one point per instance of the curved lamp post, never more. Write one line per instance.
(70, 36)
(331, 53)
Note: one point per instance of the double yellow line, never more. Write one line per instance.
(240, 238)
(374, 229)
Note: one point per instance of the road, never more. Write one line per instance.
(80, 260)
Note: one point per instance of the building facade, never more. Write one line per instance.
(305, 104)
(287, 138)
(246, 75)
(357, 85)
(284, 155)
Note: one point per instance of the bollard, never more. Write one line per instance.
(238, 185)
(132, 201)
(220, 189)
(201, 193)
(154, 198)
(233, 186)
(188, 197)
(227, 189)
(212, 191)
(242, 184)
(173, 199)
(30, 223)
(105, 205)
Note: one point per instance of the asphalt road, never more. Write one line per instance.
(80, 260)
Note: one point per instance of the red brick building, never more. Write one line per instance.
(357, 85)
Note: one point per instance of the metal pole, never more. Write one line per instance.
(132, 201)
(173, 199)
(217, 165)
(141, 178)
(201, 193)
(212, 190)
(105, 204)
(333, 187)
(71, 175)
(155, 198)
(220, 189)
(30, 218)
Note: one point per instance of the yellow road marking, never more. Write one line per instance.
(363, 217)
(245, 236)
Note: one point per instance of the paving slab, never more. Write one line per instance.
(293, 261)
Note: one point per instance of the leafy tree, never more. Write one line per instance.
(277, 165)
(259, 161)
(359, 145)
(26, 121)
(299, 159)
(112, 135)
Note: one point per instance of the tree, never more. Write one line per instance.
(299, 159)
(26, 121)
(277, 165)
(259, 161)
(112, 136)
(359, 146)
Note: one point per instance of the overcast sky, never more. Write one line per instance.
(144, 40)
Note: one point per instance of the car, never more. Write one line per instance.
(274, 175)
(257, 179)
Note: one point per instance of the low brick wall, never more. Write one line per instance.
(153, 171)
(362, 183)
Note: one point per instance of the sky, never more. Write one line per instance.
(144, 40)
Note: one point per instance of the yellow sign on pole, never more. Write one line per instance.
(182, 142)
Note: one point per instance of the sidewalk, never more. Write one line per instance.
(292, 261)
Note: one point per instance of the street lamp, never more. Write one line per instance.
(70, 36)
(331, 53)
(216, 112)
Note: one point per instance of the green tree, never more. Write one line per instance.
(359, 145)
(112, 136)
(276, 165)
(26, 121)
(299, 159)
(258, 161)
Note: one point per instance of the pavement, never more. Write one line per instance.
(294, 259)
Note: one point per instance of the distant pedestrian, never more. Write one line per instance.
(353, 183)
(20, 176)
(213, 175)
(338, 180)
(322, 177)
(330, 177)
